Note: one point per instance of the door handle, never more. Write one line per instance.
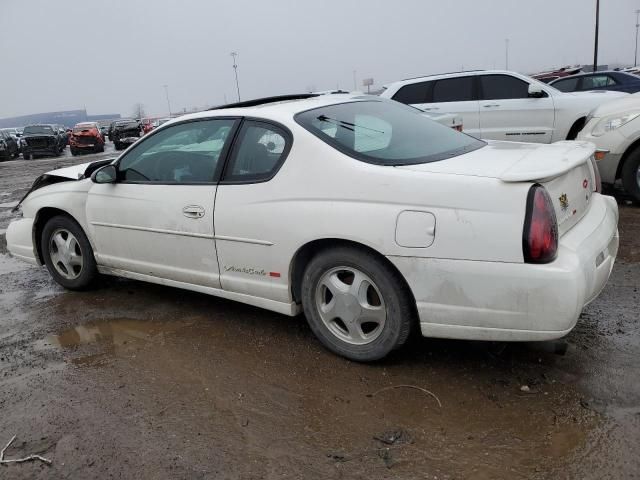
(491, 105)
(193, 211)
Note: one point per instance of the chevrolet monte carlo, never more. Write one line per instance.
(357, 210)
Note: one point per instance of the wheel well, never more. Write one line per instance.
(42, 217)
(632, 148)
(304, 255)
(575, 128)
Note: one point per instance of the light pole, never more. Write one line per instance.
(506, 53)
(166, 92)
(595, 49)
(235, 69)
(635, 61)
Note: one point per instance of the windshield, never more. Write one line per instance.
(385, 133)
(45, 129)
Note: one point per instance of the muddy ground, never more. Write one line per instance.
(133, 380)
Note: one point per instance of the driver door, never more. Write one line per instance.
(157, 218)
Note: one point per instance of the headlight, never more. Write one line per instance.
(608, 124)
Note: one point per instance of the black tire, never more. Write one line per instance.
(26, 156)
(117, 145)
(74, 152)
(5, 156)
(100, 149)
(631, 175)
(88, 272)
(395, 299)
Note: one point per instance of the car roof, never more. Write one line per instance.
(437, 76)
(285, 106)
(599, 72)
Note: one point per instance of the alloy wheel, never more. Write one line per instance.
(66, 254)
(351, 305)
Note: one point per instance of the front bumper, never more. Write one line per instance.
(614, 142)
(127, 140)
(20, 240)
(517, 301)
(51, 149)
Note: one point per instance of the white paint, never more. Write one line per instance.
(471, 281)
(616, 142)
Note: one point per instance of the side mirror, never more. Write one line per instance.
(106, 174)
(535, 91)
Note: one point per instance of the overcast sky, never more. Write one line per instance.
(107, 55)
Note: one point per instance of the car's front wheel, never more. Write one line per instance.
(68, 254)
(356, 304)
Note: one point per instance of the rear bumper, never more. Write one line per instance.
(517, 301)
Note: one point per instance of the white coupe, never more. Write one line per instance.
(357, 210)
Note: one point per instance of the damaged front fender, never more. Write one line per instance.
(66, 174)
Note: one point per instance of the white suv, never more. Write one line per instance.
(502, 105)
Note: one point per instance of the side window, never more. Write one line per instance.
(568, 85)
(596, 81)
(184, 153)
(503, 87)
(453, 90)
(412, 93)
(258, 152)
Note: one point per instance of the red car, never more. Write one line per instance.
(147, 124)
(86, 138)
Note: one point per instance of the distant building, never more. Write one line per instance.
(68, 118)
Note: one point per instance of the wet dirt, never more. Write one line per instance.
(132, 380)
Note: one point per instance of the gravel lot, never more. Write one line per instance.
(132, 380)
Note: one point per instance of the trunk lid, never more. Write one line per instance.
(563, 168)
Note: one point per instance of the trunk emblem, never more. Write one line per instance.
(585, 183)
(564, 202)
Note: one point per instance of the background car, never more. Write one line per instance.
(86, 137)
(8, 146)
(125, 132)
(41, 139)
(393, 222)
(610, 80)
(502, 105)
(551, 75)
(615, 129)
(15, 134)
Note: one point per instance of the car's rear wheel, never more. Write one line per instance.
(26, 156)
(356, 304)
(68, 254)
(631, 175)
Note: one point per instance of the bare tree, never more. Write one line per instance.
(138, 110)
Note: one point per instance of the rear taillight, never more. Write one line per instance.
(540, 236)
(596, 173)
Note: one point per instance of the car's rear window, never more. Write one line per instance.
(35, 129)
(385, 132)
